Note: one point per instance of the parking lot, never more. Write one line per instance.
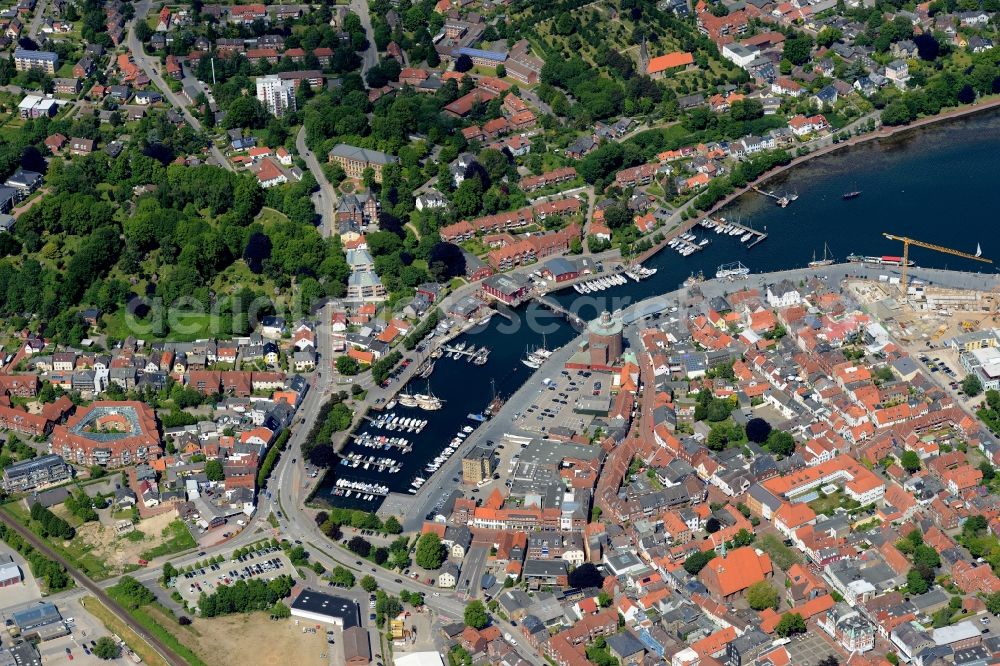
(266, 564)
(810, 648)
(553, 406)
(85, 629)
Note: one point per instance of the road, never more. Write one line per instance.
(325, 199)
(149, 65)
(370, 56)
(36, 21)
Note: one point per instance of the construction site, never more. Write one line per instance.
(923, 315)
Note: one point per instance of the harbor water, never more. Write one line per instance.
(937, 184)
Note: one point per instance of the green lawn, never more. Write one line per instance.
(828, 504)
(269, 216)
(780, 554)
(178, 538)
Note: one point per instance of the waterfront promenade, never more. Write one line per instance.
(436, 489)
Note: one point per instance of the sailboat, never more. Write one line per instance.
(825, 261)
(979, 250)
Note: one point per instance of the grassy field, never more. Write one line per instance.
(176, 536)
(268, 216)
(162, 625)
(76, 551)
(114, 625)
(780, 554)
(250, 639)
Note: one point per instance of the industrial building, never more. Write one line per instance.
(319, 607)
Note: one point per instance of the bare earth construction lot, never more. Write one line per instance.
(250, 639)
(119, 552)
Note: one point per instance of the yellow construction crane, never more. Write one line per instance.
(930, 246)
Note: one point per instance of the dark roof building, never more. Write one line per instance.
(327, 608)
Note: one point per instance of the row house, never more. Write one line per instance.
(640, 175)
(554, 177)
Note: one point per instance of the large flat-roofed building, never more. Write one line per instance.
(313, 605)
(276, 94)
(41, 620)
(30, 474)
(25, 60)
(477, 465)
(984, 362)
(509, 289)
(110, 434)
(354, 160)
(10, 573)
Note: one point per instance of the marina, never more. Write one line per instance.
(747, 235)
(903, 177)
(599, 284)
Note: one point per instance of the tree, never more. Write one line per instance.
(780, 443)
(604, 599)
(369, 584)
(915, 582)
(342, 577)
(392, 526)
(790, 624)
(971, 385)
(359, 546)
(926, 557)
(797, 49)
(475, 615)
(897, 113)
(430, 551)
(828, 35)
(829, 660)
(993, 603)
(280, 611)
(762, 595)
(757, 430)
(584, 576)
(214, 471)
(696, 562)
(106, 648)
(463, 63)
(910, 461)
(347, 365)
(712, 525)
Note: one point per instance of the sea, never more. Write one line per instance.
(938, 184)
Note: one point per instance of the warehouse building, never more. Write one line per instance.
(319, 607)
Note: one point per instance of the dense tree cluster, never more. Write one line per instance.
(50, 523)
(245, 596)
(334, 416)
(52, 573)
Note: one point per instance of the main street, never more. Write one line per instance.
(325, 200)
(151, 67)
(370, 56)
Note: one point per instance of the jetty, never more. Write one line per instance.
(780, 199)
(758, 236)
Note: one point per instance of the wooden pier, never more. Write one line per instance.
(780, 199)
(759, 236)
(685, 243)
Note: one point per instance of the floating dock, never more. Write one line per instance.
(781, 199)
